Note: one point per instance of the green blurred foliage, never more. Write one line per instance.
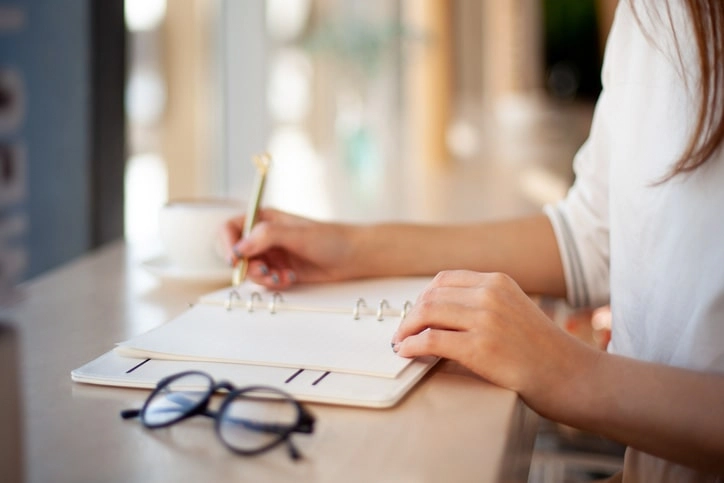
(572, 46)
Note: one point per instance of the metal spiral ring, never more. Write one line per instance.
(360, 304)
(254, 297)
(381, 309)
(276, 299)
(406, 309)
(233, 294)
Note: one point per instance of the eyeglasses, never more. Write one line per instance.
(249, 421)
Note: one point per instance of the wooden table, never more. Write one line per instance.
(452, 427)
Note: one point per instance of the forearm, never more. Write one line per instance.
(669, 412)
(525, 249)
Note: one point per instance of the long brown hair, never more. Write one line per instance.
(707, 18)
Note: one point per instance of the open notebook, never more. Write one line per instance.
(321, 342)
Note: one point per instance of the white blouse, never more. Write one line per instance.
(655, 252)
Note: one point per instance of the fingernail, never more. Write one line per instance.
(275, 278)
(395, 347)
(237, 253)
(291, 276)
(264, 269)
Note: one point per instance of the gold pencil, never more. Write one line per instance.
(262, 163)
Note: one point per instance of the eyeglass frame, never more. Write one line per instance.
(304, 421)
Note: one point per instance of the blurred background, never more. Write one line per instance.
(420, 110)
(426, 110)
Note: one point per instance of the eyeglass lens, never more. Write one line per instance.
(176, 399)
(249, 423)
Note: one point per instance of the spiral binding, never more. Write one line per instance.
(255, 301)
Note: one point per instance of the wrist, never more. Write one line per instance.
(363, 249)
(569, 388)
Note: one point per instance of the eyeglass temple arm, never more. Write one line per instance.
(293, 451)
(260, 426)
(306, 422)
(130, 413)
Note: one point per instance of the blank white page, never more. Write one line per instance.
(317, 340)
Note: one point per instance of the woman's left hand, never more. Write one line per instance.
(487, 323)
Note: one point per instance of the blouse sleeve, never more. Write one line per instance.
(581, 222)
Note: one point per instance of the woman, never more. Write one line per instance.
(641, 228)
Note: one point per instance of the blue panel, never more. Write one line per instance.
(44, 43)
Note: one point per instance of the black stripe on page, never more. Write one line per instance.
(319, 379)
(291, 378)
(136, 366)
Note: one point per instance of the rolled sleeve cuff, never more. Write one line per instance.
(580, 289)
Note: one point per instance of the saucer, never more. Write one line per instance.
(161, 267)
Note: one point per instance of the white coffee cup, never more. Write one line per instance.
(190, 229)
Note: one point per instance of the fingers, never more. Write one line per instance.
(230, 235)
(283, 249)
(459, 278)
(452, 298)
(267, 234)
(469, 278)
(439, 308)
(276, 278)
(260, 239)
(435, 342)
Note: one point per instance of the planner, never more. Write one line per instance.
(320, 342)
(112, 369)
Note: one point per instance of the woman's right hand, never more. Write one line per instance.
(284, 249)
